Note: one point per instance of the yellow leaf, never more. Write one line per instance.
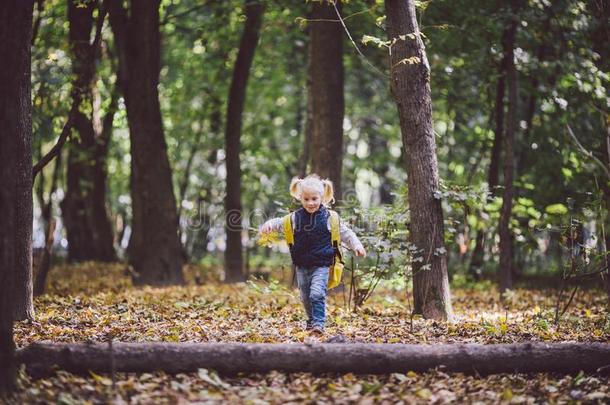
(507, 395)
(100, 379)
(412, 374)
(268, 239)
(424, 393)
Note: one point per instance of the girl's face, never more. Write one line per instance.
(311, 200)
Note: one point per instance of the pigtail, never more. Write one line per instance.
(295, 187)
(328, 197)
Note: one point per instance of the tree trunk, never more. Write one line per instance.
(305, 158)
(506, 251)
(361, 358)
(88, 226)
(476, 262)
(600, 36)
(234, 271)
(379, 146)
(154, 249)
(325, 79)
(44, 262)
(15, 178)
(410, 86)
(496, 150)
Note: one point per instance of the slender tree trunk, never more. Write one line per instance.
(305, 159)
(194, 148)
(44, 263)
(493, 175)
(325, 76)
(494, 165)
(154, 249)
(506, 251)
(234, 271)
(600, 35)
(88, 226)
(379, 145)
(15, 178)
(410, 86)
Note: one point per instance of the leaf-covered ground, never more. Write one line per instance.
(91, 302)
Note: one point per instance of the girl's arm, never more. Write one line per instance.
(351, 240)
(272, 225)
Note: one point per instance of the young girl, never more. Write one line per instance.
(312, 252)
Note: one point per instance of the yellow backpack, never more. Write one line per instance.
(336, 269)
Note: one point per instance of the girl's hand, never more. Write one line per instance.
(266, 228)
(360, 251)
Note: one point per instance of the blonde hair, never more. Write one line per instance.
(313, 182)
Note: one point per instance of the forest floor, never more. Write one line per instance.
(91, 302)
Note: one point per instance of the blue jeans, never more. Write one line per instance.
(312, 283)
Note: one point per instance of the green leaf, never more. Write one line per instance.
(556, 209)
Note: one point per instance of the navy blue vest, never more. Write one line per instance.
(312, 243)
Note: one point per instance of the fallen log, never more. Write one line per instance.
(361, 358)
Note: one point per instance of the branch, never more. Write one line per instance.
(60, 142)
(37, 21)
(97, 39)
(587, 153)
(354, 43)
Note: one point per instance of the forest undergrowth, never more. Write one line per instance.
(93, 302)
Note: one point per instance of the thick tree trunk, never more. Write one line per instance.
(325, 76)
(506, 251)
(88, 227)
(234, 271)
(361, 358)
(410, 85)
(15, 178)
(154, 248)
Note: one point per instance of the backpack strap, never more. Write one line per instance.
(288, 233)
(335, 234)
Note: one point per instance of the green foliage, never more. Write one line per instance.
(562, 73)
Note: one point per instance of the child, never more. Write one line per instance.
(312, 252)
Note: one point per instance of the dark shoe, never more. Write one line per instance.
(308, 325)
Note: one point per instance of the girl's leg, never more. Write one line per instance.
(317, 296)
(304, 281)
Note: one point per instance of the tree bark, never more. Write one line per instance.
(410, 86)
(234, 271)
(88, 227)
(506, 251)
(154, 248)
(361, 358)
(15, 178)
(325, 92)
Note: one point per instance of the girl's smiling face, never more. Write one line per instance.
(311, 200)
